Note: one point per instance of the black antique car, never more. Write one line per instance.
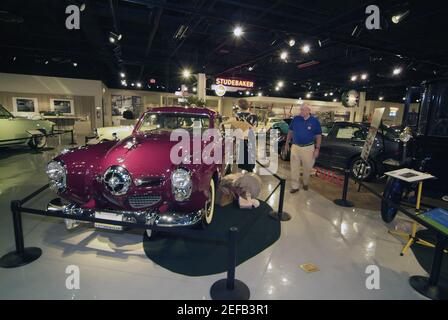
(342, 145)
(426, 133)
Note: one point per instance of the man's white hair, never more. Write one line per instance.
(305, 107)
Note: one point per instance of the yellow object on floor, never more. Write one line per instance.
(309, 267)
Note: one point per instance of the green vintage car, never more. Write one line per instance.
(28, 132)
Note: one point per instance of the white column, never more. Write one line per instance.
(201, 86)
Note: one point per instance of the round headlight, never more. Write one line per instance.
(181, 184)
(117, 180)
(57, 174)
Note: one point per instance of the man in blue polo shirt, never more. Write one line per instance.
(306, 134)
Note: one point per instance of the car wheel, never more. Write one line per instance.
(38, 143)
(393, 192)
(209, 206)
(284, 155)
(356, 166)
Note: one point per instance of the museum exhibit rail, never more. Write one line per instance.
(54, 134)
(225, 289)
(429, 287)
(280, 214)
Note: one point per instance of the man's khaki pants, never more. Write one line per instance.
(301, 158)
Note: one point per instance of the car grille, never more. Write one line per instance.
(139, 202)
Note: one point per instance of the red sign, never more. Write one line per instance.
(237, 83)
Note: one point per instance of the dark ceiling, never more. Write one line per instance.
(162, 37)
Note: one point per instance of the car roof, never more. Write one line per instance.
(180, 109)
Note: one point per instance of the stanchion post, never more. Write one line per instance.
(73, 138)
(280, 215)
(230, 288)
(21, 256)
(344, 202)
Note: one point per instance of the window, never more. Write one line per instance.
(4, 114)
(154, 121)
(62, 106)
(25, 106)
(350, 132)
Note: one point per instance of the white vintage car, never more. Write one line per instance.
(111, 134)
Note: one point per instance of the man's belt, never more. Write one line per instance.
(304, 145)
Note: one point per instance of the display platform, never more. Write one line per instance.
(196, 257)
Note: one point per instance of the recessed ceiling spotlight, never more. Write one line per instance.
(250, 68)
(404, 98)
(292, 42)
(122, 74)
(280, 84)
(284, 55)
(308, 95)
(186, 73)
(260, 94)
(397, 71)
(46, 62)
(326, 94)
(335, 100)
(113, 37)
(82, 7)
(238, 31)
(277, 88)
(364, 76)
(14, 59)
(247, 93)
(139, 85)
(400, 17)
(331, 93)
(194, 89)
(75, 64)
(133, 84)
(381, 98)
(354, 78)
(306, 48)
(240, 93)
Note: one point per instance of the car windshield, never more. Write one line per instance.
(4, 114)
(172, 121)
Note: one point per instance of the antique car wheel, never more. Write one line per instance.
(209, 207)
(393, 192)
(38, 143)
(356, 166)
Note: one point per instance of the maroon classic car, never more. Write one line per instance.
(134, 180)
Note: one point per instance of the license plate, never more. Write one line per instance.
(108, 216)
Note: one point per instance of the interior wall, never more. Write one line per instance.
(387, 118)
(46, 88)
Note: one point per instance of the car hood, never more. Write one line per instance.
(143, 155)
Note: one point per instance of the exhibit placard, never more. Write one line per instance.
(374, 126)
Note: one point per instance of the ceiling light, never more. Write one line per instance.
(277, 88)
(247, 93)
(133, 84)
(75, 64)
(318, 84)
(326, 94)
(139, 85)
(280, 84)
(284, 55)
(122, 74)
(250, 68)
(335, 100)
(381, 98)
(113, 37)
(404, 98)
(124, 83)
(241, 93)
(400, 17)
(46, 62)
(397, 71)
(354, 78)
(306, 48)
(14, 59)
(331, 93)
(364, 76)
(308, 95)
(186, 73)
(238, 31)
(194, 89)
(292, 42)
(82, 7)
(260, 94)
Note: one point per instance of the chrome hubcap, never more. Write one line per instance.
(358, 166)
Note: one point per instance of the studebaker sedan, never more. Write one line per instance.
(135, 180)
(15, 131)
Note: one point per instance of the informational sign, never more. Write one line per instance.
(374, 126)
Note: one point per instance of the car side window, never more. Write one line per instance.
(350, 133)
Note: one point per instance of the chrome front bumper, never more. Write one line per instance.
(165, 220)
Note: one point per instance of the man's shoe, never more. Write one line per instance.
(294, 190)
(305, 188)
